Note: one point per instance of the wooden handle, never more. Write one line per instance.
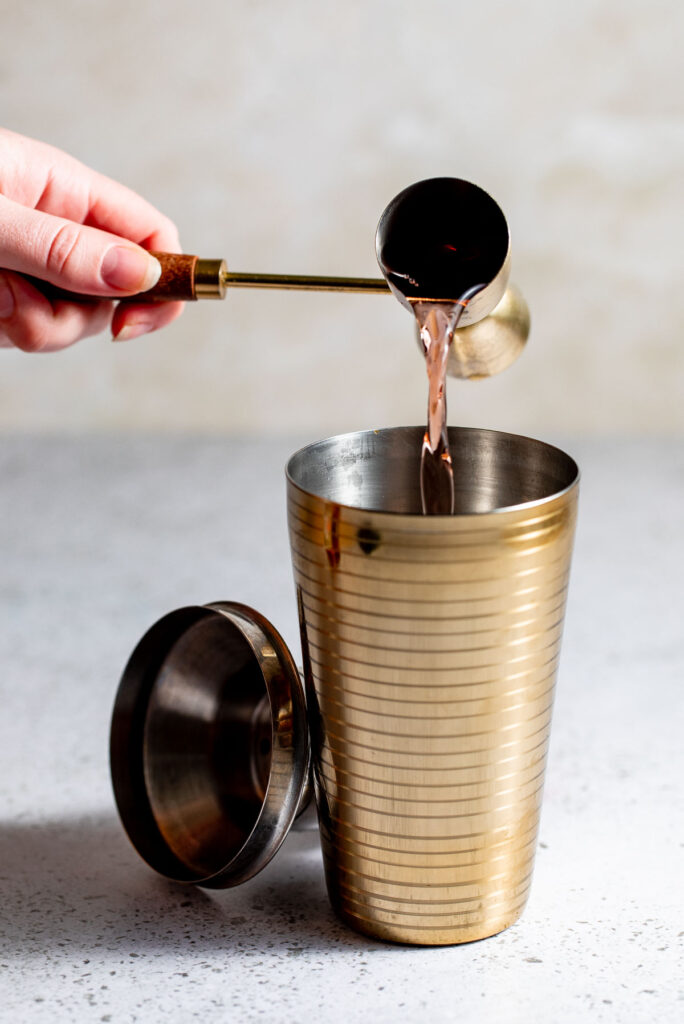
(177, 281)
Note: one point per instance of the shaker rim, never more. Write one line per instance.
(573, 473)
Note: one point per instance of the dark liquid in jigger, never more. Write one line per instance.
(453, 237)
(442, 237)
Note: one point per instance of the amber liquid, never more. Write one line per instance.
(437, 322)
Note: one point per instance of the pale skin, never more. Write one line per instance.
(80, 231)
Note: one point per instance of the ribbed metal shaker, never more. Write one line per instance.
(430, 649)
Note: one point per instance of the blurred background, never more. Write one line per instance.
(274, 135)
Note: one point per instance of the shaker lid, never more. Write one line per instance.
(209, 744)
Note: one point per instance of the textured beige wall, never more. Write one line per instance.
(275, 133)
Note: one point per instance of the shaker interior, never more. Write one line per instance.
(379, 470)
(192, 744)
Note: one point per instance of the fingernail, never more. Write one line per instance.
(129, 270)
(6, 298)
(134, 330)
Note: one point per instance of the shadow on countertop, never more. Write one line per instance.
(76, 886)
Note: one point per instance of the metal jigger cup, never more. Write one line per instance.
(430, 647)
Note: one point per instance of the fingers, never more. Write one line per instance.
(41, 177)
(133, 319)
(32, 323)
(79, 258)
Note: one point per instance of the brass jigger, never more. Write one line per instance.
(438, 241)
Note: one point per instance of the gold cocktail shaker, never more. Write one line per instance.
(430, 647)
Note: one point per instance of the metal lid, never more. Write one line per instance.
(209, 744)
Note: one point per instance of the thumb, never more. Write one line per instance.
(72, 256)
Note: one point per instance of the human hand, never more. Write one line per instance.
(74, 228)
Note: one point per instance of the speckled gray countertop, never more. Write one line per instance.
(98, 539)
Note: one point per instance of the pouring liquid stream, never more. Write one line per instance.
(437, 322)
